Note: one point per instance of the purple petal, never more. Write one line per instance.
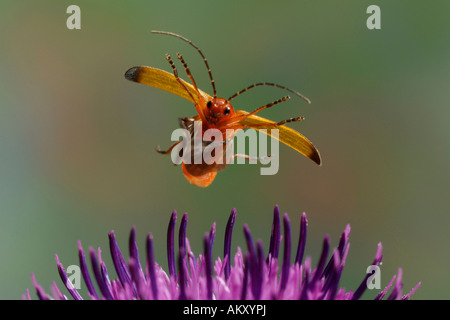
(227, 243)
(363, 286)
(27, 295)
(301, 239)
(138, 278)
(85, 272)
(304, 290)
(408, 295)
(323, 258)
(397, 290)
(331, 283)
(106, 281)
(212, 234)
(182, 233)
(286, 254)
(119, 262)
(170, 244)
(151, 266)
(66, 281)
(275, 237)
(57, 293)
(249, 240)
(182, 273)
(340, 269)
(39, 291)
(134, 252)
(246, 275)
(253, 261)
(98, 275)
(343, 242)
(208, 266)
(381, 295)
(258, 271)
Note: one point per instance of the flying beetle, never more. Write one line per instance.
(217, 113)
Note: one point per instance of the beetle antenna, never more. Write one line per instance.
(199, 51)
(272, 85)
(269, 105)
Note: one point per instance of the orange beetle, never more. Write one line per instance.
(218, 113)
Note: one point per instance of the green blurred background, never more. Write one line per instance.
(77, 140)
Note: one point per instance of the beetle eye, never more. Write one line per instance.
(226, 111)
(209, 104)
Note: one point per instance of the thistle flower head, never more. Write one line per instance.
(251, 275)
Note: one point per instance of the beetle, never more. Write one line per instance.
(218, 113)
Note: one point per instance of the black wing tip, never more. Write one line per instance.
(317, 159)
(132, 74)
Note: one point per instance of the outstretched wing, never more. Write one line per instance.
(164, 80)
(287, 135)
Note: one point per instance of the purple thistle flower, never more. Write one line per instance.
(244, 276)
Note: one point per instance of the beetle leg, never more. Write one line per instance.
(158, 148)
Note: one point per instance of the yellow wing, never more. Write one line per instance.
(288, 136)
(164, 80)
